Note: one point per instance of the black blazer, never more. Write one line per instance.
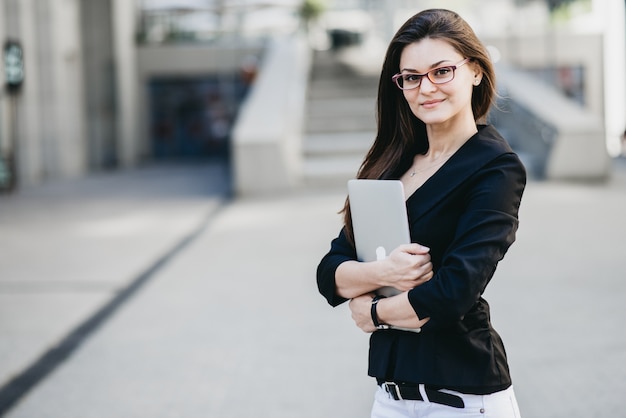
(467, 214)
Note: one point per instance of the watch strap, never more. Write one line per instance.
(374, 314)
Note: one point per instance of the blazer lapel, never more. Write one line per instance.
(478, 151)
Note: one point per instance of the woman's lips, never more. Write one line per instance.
(431, 103)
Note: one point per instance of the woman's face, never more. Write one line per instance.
(439, 104)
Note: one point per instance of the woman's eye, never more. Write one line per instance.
(411, 78)
(442, 72)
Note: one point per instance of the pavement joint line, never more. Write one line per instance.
(20, 385)
(57, 286)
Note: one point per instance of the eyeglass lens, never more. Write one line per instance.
(436, 76)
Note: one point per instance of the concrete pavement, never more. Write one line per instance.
(230, 324)
(71, 247)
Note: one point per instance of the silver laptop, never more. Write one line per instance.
(379, 219)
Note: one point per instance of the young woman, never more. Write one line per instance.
(463, 186)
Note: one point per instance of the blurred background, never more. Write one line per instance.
(166, 165)
(105, 84)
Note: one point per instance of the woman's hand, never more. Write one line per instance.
(396, 311)
(408, 266)
(361, 312)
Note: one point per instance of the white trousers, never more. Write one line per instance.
(496, 405)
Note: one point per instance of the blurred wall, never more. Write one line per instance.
(559, 50)
(77, 108)
(45, 119)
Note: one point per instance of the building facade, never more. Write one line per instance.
(74, 110)
(86, 102)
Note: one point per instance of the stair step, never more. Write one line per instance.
(338, 143)
(335, 170)
(344, 106)
(340, 122)
(334, 89)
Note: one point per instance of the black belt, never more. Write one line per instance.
(411, 392)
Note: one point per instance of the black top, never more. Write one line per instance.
(466, 213)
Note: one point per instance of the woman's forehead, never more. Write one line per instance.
(428, 53)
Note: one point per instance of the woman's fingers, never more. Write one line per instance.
(410, 266)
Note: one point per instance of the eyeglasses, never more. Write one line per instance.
(441, 75)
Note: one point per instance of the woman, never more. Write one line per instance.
(463, 187)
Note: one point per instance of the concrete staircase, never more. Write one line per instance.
(340, 123)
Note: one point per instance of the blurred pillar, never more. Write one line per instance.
(25, 121)
(125, 55)
(390, 21)
(3, 115)
(99, 75)
(614, 16)
(63, 117)
(6, 175)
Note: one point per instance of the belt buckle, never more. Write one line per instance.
(393, 389)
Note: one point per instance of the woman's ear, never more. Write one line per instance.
(478, 74)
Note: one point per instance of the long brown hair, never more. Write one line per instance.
(400, 134)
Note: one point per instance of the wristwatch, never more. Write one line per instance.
(377, 324)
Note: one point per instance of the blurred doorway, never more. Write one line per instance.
(192, 117)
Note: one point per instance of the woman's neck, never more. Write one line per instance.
(446, 140)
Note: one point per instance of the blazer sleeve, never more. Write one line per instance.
(486, 229)
(340, 250)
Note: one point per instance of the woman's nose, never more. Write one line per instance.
(427, 85)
